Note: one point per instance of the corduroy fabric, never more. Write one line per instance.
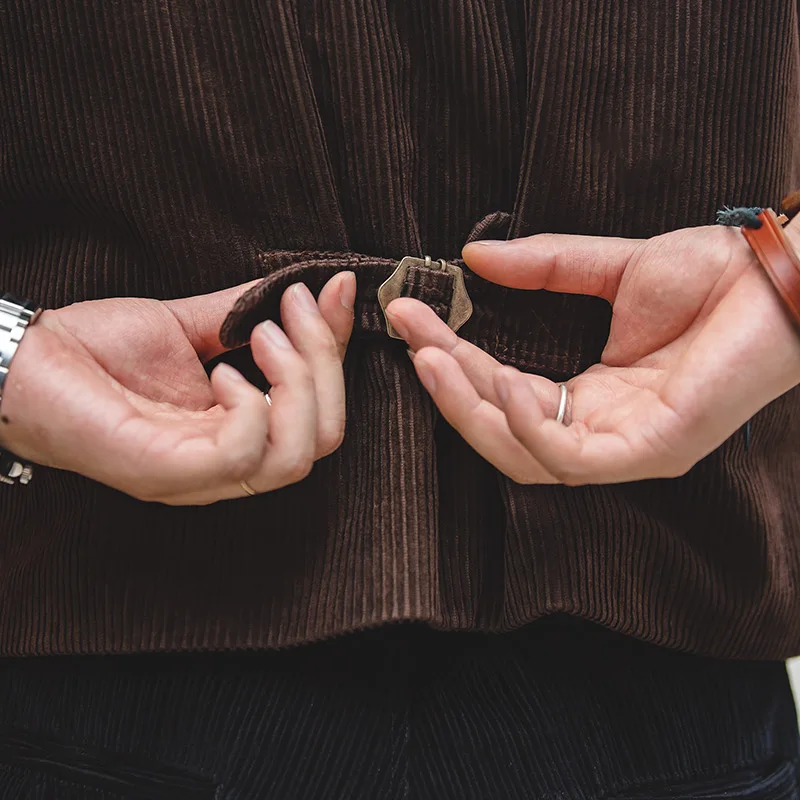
(168, 149)
(556, 711)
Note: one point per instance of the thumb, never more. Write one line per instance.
(591, 265)
(201, 318)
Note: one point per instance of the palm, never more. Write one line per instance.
(698, 343)
(144, 354)
(116, 390)
(665, 301)
(124, 377)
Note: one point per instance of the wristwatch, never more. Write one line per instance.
(15, 317)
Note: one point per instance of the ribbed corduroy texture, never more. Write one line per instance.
(553, 712)
(166, 149)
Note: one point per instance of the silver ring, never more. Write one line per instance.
(562, 406)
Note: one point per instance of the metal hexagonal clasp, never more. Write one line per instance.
(460, 303)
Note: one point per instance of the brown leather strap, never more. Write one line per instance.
(790, 205)
(778, 258)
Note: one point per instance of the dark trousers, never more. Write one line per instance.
(557, 710)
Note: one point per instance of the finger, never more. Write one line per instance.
(246, 426)
(293, 413)
(591, 265)
(336, 302)
(480, 423)
(418, 324)
(181, 467)
(201, 318)
(316, 343)
(572, 454)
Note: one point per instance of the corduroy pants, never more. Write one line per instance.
(559, 709)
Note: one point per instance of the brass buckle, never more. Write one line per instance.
(460, 304)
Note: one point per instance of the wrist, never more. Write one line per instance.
(777, 334)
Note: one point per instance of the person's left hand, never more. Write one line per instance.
(699, 342)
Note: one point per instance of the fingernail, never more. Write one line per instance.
(275, 335)
(347, 291)
(303, 297)
(411, 354)
(427, 377)
(397, 324)
(230, 372)
(490, 242)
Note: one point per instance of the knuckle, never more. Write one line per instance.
(245, 463)
(328, 445)
(321, 339)
(304, 376)
(567, 476)
(331, 438)
(328, 344)
(298, 374)
(298, 467)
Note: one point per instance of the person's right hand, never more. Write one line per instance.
(116, 390)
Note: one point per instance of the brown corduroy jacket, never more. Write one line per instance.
(170, 149)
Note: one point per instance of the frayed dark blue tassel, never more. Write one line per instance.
(738, 217)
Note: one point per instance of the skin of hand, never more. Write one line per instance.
(699, 342)
(116, 390)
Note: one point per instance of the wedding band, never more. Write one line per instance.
(562, 406)
(248, 488)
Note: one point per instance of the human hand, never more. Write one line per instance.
(699, 342)
(116, 391)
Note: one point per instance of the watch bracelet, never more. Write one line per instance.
(15, 317)
(13, 471)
